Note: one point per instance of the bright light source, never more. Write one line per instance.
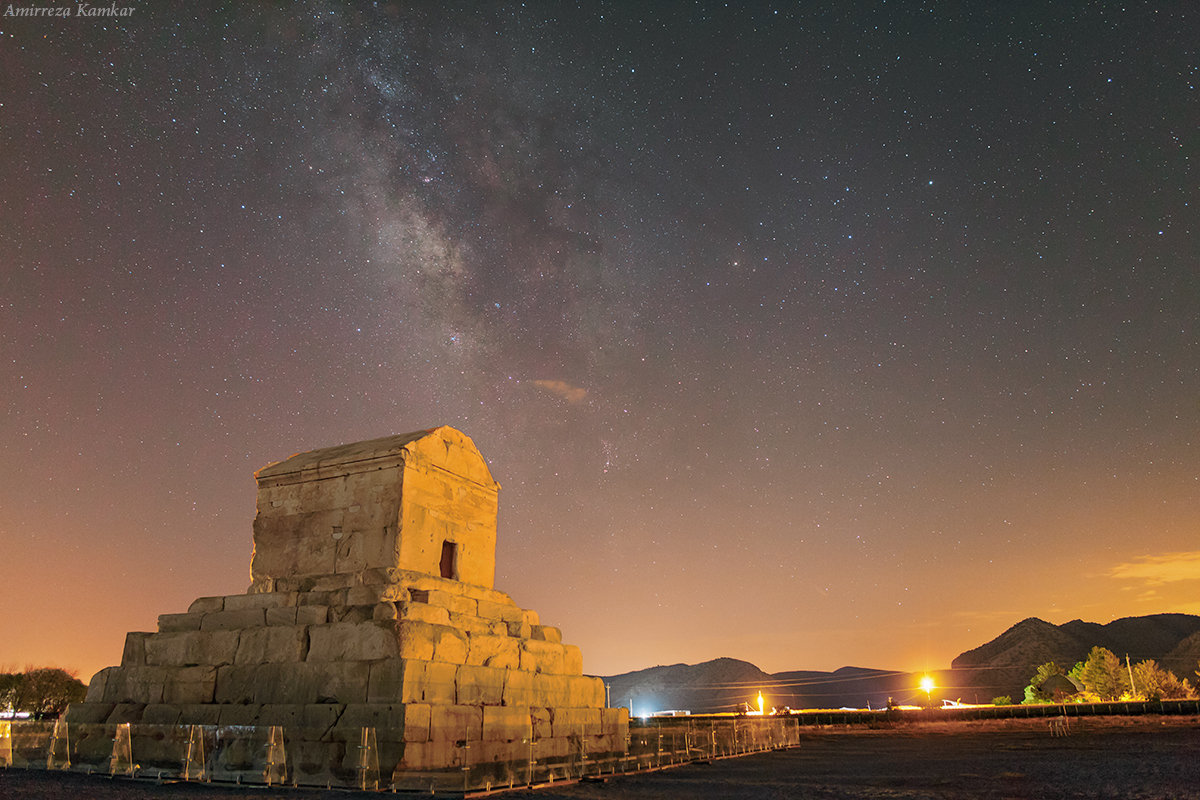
(760, 703)
(927, 684)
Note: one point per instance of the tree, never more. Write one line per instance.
(1103, 674)
(1033, 692)
(43, 691)
(1155, 683)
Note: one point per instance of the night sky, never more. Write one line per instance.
(812, 335)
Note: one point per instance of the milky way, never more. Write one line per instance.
(809, 336)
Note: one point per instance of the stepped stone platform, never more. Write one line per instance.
(371, 606)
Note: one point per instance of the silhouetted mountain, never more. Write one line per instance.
(1184, 659)
(1003, 666)
(724, 684)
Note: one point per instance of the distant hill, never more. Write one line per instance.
(723, 684)
(1003, 666)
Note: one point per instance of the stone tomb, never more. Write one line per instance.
(371, 605)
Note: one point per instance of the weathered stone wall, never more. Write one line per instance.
(429, 662)
(371, 606)
(385, 503)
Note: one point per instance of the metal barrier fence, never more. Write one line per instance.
(970, 713)
(270, 756)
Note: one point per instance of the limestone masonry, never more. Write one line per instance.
(371, 606)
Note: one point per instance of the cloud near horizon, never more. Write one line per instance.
(572, 394)
(1158, 570)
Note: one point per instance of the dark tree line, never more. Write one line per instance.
(1104, 676)
(42, 691)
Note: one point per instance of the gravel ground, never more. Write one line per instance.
(1148, 758)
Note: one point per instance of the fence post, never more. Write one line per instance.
(368, 762)
(194, 761)
(121, 760)
(59, 740)
(275, 770)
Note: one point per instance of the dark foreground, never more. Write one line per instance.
(1143, 758)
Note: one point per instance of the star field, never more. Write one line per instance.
(809, 335)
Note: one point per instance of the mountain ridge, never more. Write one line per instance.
(1000, 667)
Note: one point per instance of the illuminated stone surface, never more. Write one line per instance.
(371, 604)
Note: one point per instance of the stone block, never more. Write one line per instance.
(546, 634)
(352, 614)
(417, 717)
(207, 605)
(199, 714)
(242, 602)
(417, 639)
(321, 599)
(233, 620)
(502, 652)
(541, 657)
(191, 648)
(363, 641)
(476, 625)
(190, 686)
(455, 603)
(451, 646)
(312, 615)
(423, 612)
(88, 713)
(519, 691)
(455, 723)
(552, 691)
(134, 654)
(500, 612)
(97, 687)
(236, 684)
(615, 719)
(284, 616)
(246, 715)
(364, 595)
(519, 628)
(317, 719)
(161, 715)
(552, 749)
(541, 722)
(576, 722)
(407, 681)
(503, 724)
(531, 617)
(387, 720)
(430, 755)
(169, 623)
(572, 660)
(505, 752)
(439, 684)
(605, 743)
(585, 692)
(272, 645)
(480, 686)
(384, 611)
(125, 712)
(340, 683)
(141, 685)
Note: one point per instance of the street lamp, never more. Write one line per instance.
(927, 685)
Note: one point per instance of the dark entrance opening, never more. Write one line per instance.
(449, 567)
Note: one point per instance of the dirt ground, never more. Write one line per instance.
(1146, 757)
